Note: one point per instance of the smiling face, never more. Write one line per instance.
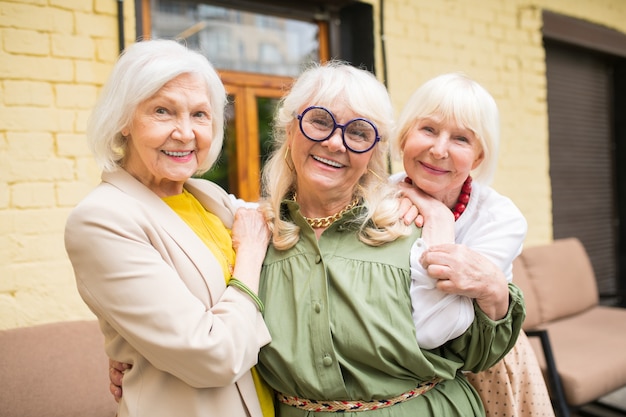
(438, 156)
(170, 135)
(327, 170)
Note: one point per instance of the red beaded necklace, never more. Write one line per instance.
(461, 202)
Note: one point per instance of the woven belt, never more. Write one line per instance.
(343, 406)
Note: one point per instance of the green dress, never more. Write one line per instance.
(339, 313)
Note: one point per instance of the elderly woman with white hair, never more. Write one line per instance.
(170, 264)
(336, 279)
(448, 138)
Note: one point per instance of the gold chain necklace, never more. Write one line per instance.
(323, 222)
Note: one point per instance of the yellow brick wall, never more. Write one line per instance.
(55, 54)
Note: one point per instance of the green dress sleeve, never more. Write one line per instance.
(486, 341)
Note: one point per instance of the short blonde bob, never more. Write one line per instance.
(457, 98)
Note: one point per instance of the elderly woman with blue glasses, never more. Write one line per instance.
(335, 281)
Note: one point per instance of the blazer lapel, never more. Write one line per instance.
(207, 265)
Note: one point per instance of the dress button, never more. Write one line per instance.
(318, 259)
(317, 307)
(420, 243)
(327, 361)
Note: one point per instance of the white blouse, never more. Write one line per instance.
(491, 225)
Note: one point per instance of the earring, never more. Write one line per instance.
(287, 159)
(375, 175)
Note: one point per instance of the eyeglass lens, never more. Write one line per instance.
(318, 124)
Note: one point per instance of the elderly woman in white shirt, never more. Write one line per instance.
(448, 137)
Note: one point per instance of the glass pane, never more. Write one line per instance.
(224, 171)
(238, 40)
(266, 108)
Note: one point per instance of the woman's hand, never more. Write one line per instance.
(460, 270)
(251, 236)
(437, 219)
(409, 212)
(116, 375)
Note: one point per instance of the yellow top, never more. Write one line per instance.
(218, 239)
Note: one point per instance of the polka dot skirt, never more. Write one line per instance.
(514, 387)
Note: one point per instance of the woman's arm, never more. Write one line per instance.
(463, 271)
(438, 316)
(151, 296)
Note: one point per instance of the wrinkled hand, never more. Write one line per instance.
(251, 236)
(426, 205)
(116, 375)
(460, 270)
(250, 228)
(409, 212)
(435, 218)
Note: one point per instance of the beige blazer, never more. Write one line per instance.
(162, 303)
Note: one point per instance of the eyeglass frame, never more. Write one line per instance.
(336, 126)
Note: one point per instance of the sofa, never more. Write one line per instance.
(580, 343)
(55, 370)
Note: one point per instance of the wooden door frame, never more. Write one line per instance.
(246, 88)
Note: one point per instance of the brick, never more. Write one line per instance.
(53, 273)
(109, 7)
(22, 67)
(24, 119)
(102, 26)
(27, 42)
(36, 17)
(39, 247)
(107, 51)
(30, 93)
(74, 5)
(38, 221)
(4, 198)
(72, 145)
(34, 2)
(93, 72)
(72, 46)
(7, 225)
(25, 146)
(75, 96)
(39, 172)
(82, 116)
(33, 195)
(71, 193)
(88, 170)
(7, 278)
(9, 317)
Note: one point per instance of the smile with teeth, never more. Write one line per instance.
(171, 153)
(327, 161)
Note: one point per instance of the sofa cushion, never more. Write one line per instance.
(522, 280)
(589, 351)
(563, 278)
(55, 370)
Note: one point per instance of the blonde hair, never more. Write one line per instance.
(142, 70)
(457, 98)
(363, 94)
